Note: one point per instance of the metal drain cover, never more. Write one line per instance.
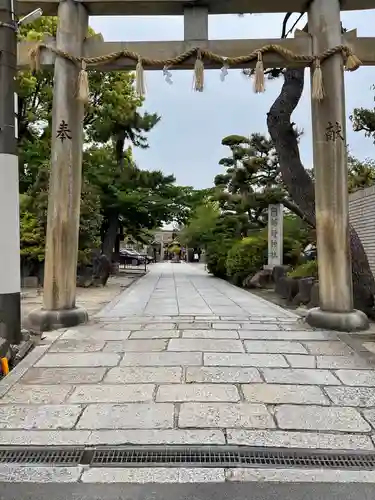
(229, 457)
(41, 456)
(175, 456)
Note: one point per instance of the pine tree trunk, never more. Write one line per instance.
(301, 187)
(110, 235)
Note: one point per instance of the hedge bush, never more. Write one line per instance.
(246, 257)
(216, 257)
(305, 270)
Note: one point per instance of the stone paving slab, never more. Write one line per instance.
(301, 475)
(135, 393)
(362, 397)
(328, 348)
(136, 345)
(298, 335)
(261, 360)
(221, 415)
(279, 394)
(205, 345)
(39, 417)
(78, 360)
(154, 334)
(127, 416)
(356, 377)
(73, 375)
(161, 436)
(144, 374)
(197, 392)
(153, 475)
(206, 374)
(292, 439)
(44, 438)
(320, 419)
(184, 358)
(37, 394)
(341, 362)
(93, 334)
(39, 474)
(300, 376)
(210, 334)
(162, 359)
(77, 345)
(274, 346)
(301, 361)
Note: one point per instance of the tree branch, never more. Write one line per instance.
(297, 211)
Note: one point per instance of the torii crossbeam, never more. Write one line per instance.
(177, 7)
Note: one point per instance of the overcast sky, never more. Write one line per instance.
(187, 141)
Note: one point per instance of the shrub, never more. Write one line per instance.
(31, 238)
(292, 250)
(216, 257)
(246, 257)
(305, 270)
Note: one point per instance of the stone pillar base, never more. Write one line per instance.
(45, 320)
(353, 321)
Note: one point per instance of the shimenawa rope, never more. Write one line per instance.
(351, 62)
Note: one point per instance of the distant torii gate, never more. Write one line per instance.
(325, 48)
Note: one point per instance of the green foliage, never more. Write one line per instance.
(142, 199)
(115, 192)
(198, 231)
(216, 256)
(246, 257)
(251, 180)
(364, 120)
(90, 222)
(296, 228)
(230, 256)
(360, 174)
(306, 270)
(176, 249)
(32, 239)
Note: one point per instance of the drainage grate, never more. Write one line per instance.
(240, 457)
(42, 456)
(186, 457)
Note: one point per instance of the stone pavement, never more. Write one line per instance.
(184, 358)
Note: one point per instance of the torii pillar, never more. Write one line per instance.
(59, 308)
(336, 310)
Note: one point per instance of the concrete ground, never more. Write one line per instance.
(232, 491)
(92, 299)
(183, 358)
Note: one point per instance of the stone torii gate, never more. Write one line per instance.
(324, 47)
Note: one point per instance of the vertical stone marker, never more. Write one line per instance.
(275, 235)
(331, 184)
(65, 180)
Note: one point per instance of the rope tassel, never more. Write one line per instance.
(352, 62)
(140, 87)
(199, 74)
(317, 90)
(34, 55)
(259, 85)
(83, 85)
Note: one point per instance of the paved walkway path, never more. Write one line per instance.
(184, 358)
